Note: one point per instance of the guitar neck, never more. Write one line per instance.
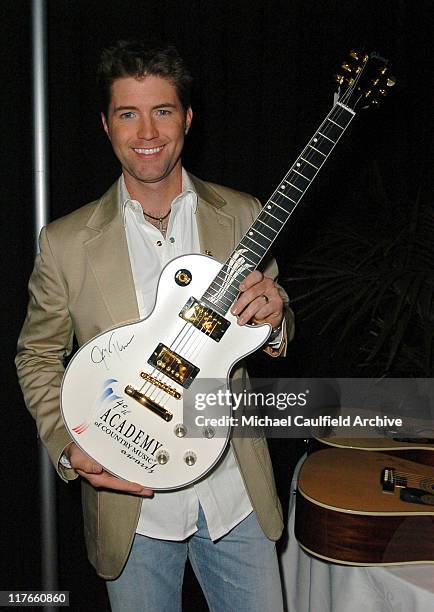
(253, 247)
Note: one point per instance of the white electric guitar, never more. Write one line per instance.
(128, 397)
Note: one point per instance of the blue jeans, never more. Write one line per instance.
(238, 573)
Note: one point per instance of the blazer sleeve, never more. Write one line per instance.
(44, 343)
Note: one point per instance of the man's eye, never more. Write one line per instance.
(162, 112)
(127, 115)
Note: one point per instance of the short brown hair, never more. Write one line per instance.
(138, 59)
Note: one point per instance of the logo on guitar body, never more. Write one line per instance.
(112, 421)
(107, 395)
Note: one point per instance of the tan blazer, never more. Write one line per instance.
(82, 284)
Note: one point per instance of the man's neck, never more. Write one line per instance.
(155, 198)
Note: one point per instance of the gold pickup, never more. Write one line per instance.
(173, 365)
(205, 319)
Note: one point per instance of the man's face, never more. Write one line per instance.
(146, 126)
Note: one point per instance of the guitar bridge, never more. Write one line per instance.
(391, 479)
(388, 480)
(148, 403)
(205, 319)
(174, 366)
(161, 385)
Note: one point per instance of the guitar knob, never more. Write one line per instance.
(180, 430)
(162, 457)
(190, 458)
(208, 432)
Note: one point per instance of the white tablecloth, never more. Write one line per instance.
(312, 585)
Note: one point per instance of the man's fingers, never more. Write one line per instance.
(108, 481)
(262, 312)
(251, 279)
(94, 473)
(258, 309)
(259, 300)
(81, 461)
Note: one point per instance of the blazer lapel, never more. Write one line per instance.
(108, 257)
(216, 228)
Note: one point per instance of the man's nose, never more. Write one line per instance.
(147, 129)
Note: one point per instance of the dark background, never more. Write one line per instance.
(263, 82)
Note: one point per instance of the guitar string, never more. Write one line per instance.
(153, 392)
(338, 114)
(188, 326)
(412, 477)
(198, 346)
(198, 336)
(194, 332)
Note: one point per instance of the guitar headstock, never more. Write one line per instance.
(366, 80)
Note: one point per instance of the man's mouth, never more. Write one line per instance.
(148, 151)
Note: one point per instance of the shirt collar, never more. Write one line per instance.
(187, 188)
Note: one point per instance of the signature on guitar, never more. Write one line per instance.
(99, 354)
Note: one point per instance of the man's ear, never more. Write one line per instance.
(105, 125)
(188, 119)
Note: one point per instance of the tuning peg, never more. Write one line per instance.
(346, 67)
(340, 79)
(359, 56)
(391, 81)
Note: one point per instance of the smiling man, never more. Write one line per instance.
(98, 267)
(146, 124)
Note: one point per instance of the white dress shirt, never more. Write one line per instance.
(172, 515)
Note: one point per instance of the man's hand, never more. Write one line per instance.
(93, 472)
(259, 301)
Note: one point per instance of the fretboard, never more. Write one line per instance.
(250, 251)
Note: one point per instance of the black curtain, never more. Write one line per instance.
(263, 82)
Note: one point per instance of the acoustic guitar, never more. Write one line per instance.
(127, 397)
(365, 508)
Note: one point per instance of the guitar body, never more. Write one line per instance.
(128, 437)
(344, 515)
(418, 452)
